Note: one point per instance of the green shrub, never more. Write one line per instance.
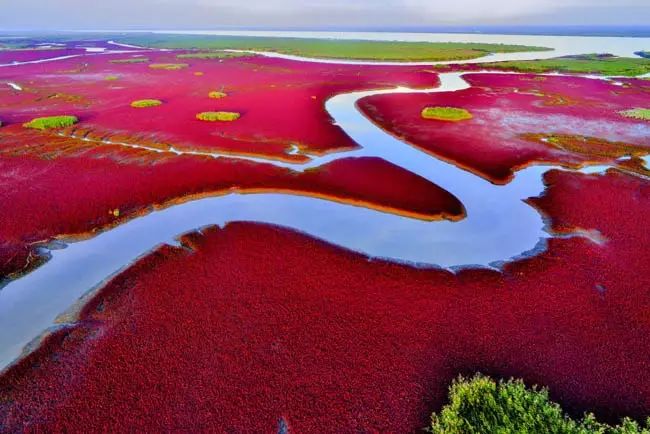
(111, 78)
(218, 116)
(446, 114)
(217, 95)
(169, 66)
(142, 103)
(637, 113)
(482, 405)
(51, 122)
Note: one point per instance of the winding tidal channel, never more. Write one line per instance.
(499, 225)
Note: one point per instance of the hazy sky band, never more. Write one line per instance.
(209, 14)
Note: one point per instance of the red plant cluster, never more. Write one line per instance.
(249, 325)
(507, 108)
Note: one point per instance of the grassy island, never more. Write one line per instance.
(215, 94)
(482, 405)
(218, 116)
(51, 122)
(451, 114)
(143, 103)
(637, 113)
(169, 66)
(604, 64)
(131, 60)
(328, 48)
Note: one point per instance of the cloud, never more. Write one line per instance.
(196, 14)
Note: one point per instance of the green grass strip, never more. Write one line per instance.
(332, 48)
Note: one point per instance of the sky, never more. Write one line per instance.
(215, 14)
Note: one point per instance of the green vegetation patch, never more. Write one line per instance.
(169, 66)
(482, 405)
(584, 64)
(218, 116)
(111, 78)
(585, 145)
(143, 103)
(332, 48)
(217, 94)
(131, 60)
(451, 114)
(51, 122)
(637, 113)
(212, 55)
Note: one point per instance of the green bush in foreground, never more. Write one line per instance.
(51, 122)
(146, 103)
(482, 405)
(446, 114)
(218, 116)
(637, 113)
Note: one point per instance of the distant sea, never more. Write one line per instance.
(637, 31)
(617, 31)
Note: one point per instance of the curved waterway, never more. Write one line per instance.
(499, 226)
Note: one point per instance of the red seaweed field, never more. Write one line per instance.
(323, 338)
(521, 119)
(255, 327)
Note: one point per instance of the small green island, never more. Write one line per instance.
(215, 94)
(169, 66)
(450, 114)
(130, 60)
(218, 116)
(144, 103)
(637, 113)
(48, 122)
